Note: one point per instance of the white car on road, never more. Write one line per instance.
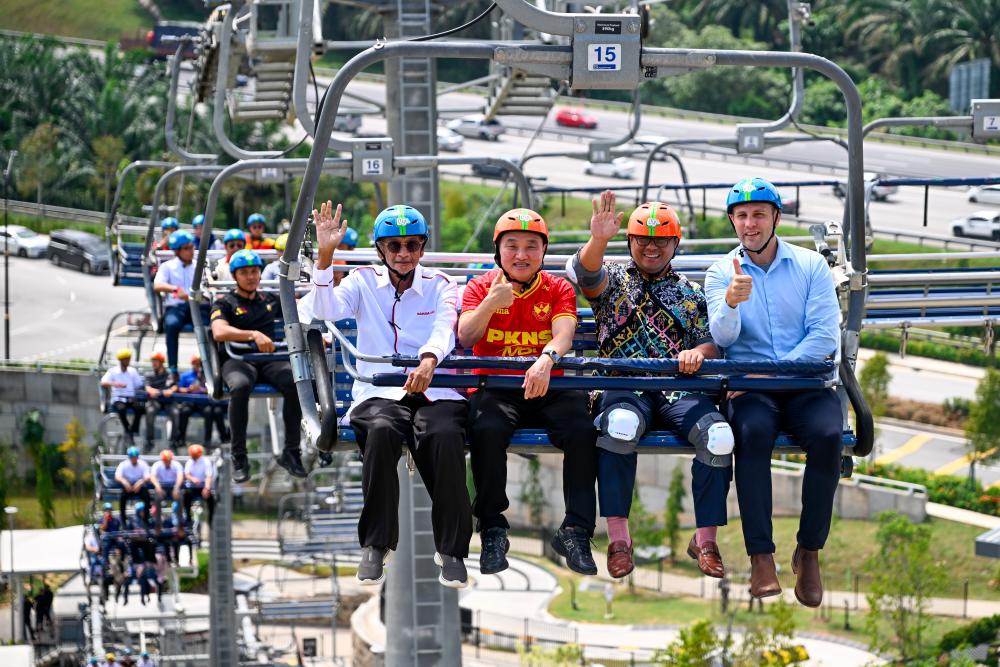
(449, 140)
(982, 224)
(620, 167)
(985, 194)
(23, 242)
(477, 127)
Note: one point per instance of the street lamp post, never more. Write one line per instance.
(6, 258)
(11, 511)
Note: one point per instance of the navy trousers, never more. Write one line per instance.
(616, 472)
(814, 419)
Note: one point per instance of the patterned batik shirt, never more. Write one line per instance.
(637, 317)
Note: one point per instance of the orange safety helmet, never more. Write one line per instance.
(521, 220)
(195, 451)
(157, 356)
(195, 357)
(654, 219)
(166, 456)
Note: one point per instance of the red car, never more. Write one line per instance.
(576, 118)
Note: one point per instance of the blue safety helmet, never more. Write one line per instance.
(169, 223)
(753, 189)
(234, 235)
(140, 506)
(350, 238)
(93, 661)
(132, 451)
(198, 221)
(256, 219)
(145, 654)
(399, 220)
(180, 239)
(244, 258)
(107, 506)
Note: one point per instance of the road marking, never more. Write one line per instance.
(911, 446)
(960, 463)
(59, 313)
(911, 430)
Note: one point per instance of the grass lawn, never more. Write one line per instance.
(29, 514)
(91, 19)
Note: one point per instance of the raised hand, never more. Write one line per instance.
(740, 287)
(605, 223)
(330, 229)
(501, 292)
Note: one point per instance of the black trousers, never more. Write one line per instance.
(435, 433)
(495, 414)
(191, 494)
(241, 376)
(153, 407)
(142, 494)
(211, 413)
(814, 419)
(120, 408)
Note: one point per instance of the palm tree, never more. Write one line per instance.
(973, 32)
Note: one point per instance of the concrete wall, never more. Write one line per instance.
(60, 397)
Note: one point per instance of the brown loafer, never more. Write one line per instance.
(620, 559)
(763, 576)
(808, 580)
(708, 557)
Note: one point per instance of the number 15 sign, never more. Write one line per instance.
(604, 57)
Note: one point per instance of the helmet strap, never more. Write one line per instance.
(401, 278)
(524, 284)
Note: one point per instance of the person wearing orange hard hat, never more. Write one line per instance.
(167, 476)
(199, 477)
(519, 310)
(645, 309)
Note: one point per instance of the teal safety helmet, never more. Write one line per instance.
(180, 239)
(132, 451)
(140, 507)
(350, 238)
(256, 219)
(198, 221)
(399, 220)
(169, 223)
(234, 235)
(241, 259)
(753, 189)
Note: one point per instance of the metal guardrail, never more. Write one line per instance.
(78, 41)
(68, 214)
(857, 478)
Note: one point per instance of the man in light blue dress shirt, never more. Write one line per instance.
(769, 300)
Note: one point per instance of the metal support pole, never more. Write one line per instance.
(222, 603)
(926, 195)
(6, 260)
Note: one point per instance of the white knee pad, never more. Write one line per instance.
(720, 439)
(623, 424)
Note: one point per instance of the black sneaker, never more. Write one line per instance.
(371, 569)
(573, 544)
(453, 572)
(291, 461)
(241, 468)
(493, 557)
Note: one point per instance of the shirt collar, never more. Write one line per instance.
(382, 278)
(634, 268)
(783, 253)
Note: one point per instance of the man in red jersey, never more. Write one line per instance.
(518, 310)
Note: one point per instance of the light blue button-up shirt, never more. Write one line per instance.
(792, 315)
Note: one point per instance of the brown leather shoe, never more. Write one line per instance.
(708, 557)
(763, 576)
(620, 559)
(808, 580)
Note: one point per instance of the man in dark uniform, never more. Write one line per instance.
(248, 316)
(159, 389)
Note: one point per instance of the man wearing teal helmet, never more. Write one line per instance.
(770, 300)
(174, 279)
(407, 309)
(248, 315)
(233, 241)
(167, 227)
(198, 227)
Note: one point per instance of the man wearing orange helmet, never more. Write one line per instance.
(199, 473)
(159, 389)
(518, 310)
(167, 476)
(644, 309)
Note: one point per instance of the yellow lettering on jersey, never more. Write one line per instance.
(511, 337)
(494, 336)
(502, 311)
(517, 351)
(529, 337)
(544, 336)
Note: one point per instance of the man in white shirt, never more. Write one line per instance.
(167, 476)
(198, 476)
(124, 382)
(406, 309)
(175, 278)
(132, 474)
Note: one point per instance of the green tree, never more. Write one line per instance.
(8, 472)
(874, 379)
(642, 522)
(533, 493)
(40, 166)
(696, 646)
(972, 32)
(77, 456)
(33, 438)
(108, 153)
(672, 517)
(982, 428)
(903, 577)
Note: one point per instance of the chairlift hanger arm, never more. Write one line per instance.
(168, 127)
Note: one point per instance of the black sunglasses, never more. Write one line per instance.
(395, 246)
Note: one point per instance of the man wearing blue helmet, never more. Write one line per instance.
(770, 300)
(257, 241)
(233, 241)
(167, 227)
(132, 474)
(174, 279)
(407, 309)
(248, 315)
(198, 226)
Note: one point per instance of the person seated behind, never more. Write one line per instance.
(127, 660)
(199, 474)
(145, 660)
(403, 308)
(109, 529)
(350, 242)
(167, 476)
(234, 240)
(212, 412)
(159, 388)
(110, 661)
(92, 548)
(773, 301)
(175, 278)
(247, 315)
(644, 309)
(256, 239)
(167, 227)
(270, 271)
(198, 227)
(125, 383)
(140, 529)
(519, 310)
(132, 474)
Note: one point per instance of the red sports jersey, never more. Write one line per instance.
(523, 329)
(264, 243)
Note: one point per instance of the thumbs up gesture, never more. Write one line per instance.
(740, 287)
(501, 292)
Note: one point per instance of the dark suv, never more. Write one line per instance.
(86, 252)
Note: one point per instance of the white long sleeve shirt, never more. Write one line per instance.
(421, 320)
(177, 273)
